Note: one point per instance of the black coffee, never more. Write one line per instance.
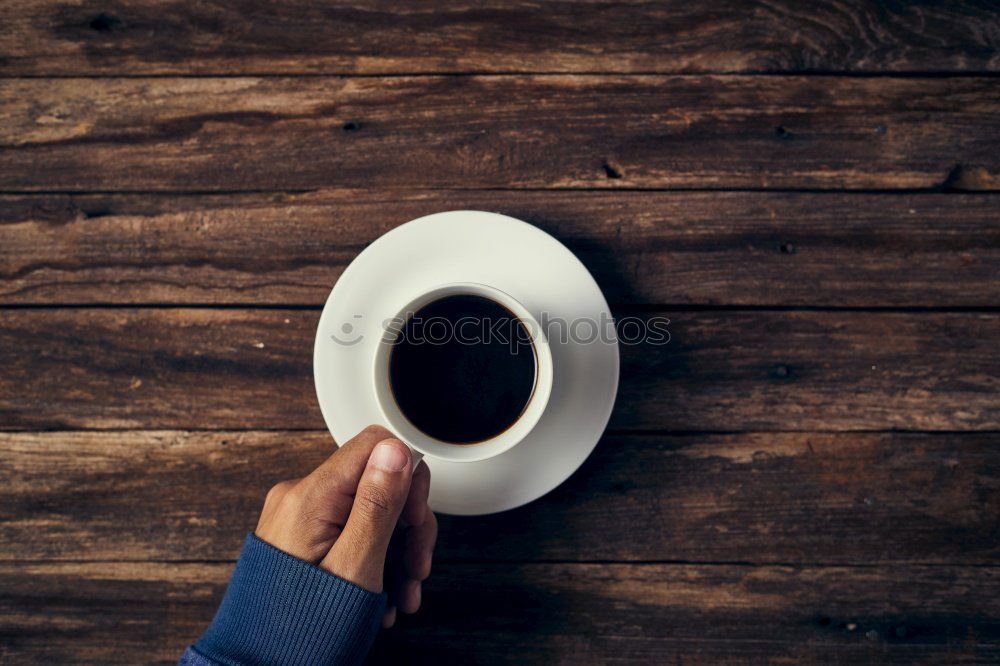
(462, 369)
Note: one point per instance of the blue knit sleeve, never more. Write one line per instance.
(281, 610)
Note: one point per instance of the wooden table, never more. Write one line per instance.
(808, 472)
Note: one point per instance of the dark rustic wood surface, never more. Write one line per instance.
(529, 612)
(644, 248)
(758, 497)
(378, 37)
(568, 612)
(808, 472)
(460, 132)
(731, 370)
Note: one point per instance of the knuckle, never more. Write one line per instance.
(375, 503)
(277, 492)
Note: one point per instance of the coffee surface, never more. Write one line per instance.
(462, 369)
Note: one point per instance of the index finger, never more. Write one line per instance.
(415, 510)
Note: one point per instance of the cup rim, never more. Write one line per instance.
(424, 444)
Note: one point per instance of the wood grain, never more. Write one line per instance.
(720, 248)
(755, 500)
(720, 371)
(804, 498)
(249, 37)
(540, 613)
(238, 133)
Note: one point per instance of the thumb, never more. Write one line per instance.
(358, 555)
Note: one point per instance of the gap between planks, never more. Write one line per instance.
(621, 307)
(554, 562)
(805, 73)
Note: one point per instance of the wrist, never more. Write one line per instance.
(279, 608)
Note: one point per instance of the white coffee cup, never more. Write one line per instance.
(422, 443)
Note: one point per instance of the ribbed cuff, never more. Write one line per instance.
(279, 609)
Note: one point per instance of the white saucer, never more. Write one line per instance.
(515, 257)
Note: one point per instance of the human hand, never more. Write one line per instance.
(342, 515)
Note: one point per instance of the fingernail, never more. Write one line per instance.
(389, 457)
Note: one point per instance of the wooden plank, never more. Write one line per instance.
(184, 134)
(535, 613)
(249, 37)
(805, 498)
(721, 248)
(720, 371)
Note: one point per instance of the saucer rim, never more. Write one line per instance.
(605, 401)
